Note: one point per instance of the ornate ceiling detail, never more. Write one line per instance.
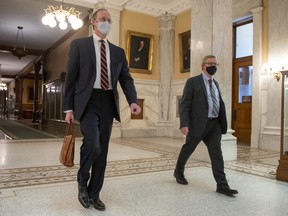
(176, 7)
(180, 7)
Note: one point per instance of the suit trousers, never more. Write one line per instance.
(212, 139)
(96, 126)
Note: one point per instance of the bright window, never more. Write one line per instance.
(244, 40)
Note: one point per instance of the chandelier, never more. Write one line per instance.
(17, 51)
(61, 14)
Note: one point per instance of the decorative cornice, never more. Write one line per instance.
(180, 7)
(146, 7)
(176, 7)
(143, 8)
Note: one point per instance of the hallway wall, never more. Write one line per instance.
(274, 48)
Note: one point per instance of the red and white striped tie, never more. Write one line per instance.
(104, 70)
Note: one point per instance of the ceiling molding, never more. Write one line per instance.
(153, 9)
(180, 7)
(148, 7)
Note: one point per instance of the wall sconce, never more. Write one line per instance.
(276, 75)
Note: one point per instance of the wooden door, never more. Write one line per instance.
(242, 99)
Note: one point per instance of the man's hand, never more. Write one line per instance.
(69, 116)
(185, 130)
(135, 109)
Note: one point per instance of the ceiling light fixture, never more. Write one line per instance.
(17, 51)
(60, 14)
(3, 86)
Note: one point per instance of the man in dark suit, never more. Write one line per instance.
(95, 103)
(203, 118)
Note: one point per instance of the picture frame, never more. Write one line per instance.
(185, 51)
(139, 52)
(30, 94)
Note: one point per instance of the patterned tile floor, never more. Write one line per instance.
(32, 165)
(161, 157)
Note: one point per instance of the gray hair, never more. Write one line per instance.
(206, 57)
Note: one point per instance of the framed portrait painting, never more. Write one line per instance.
(140, 52)
(185, 51)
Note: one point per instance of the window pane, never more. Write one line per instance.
(244, 40)
(245, 84)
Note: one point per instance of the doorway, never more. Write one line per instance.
(242, 80)
(242, 99)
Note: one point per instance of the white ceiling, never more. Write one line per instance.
(28, 14)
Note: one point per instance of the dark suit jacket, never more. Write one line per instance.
(194, 107)
(81, 75)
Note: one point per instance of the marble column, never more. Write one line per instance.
(166, 47)
(19, 98)
(114, 35)
(277, 58)
(211, 33)
(201, 33)
(222, 48)
(257, 67)
(37, 68)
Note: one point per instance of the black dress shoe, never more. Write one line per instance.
(98, 204)
(225, 189)
(180, 179)
(83, 196)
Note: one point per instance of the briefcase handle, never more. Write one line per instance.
(69, 128)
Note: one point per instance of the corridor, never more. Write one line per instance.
(139, 181)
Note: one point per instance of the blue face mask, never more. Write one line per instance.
(211, 70)
(104, 27)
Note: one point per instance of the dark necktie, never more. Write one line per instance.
(104, 71)
(214, 100)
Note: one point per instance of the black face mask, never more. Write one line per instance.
(211, 70)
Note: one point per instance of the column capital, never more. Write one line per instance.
(257, 10)
(167, 20)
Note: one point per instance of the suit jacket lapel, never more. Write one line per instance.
(91, 48)
(112, 59)
(203, 86)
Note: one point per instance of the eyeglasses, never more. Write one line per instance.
(104, 20)
(211, 63)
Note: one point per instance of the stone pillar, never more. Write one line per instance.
(114, 35)
(201, 33)
(257, 67)
(19, 97)
(166, 65)
(37, 67)
(211, 33)
(270, 136)
(222, 48)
